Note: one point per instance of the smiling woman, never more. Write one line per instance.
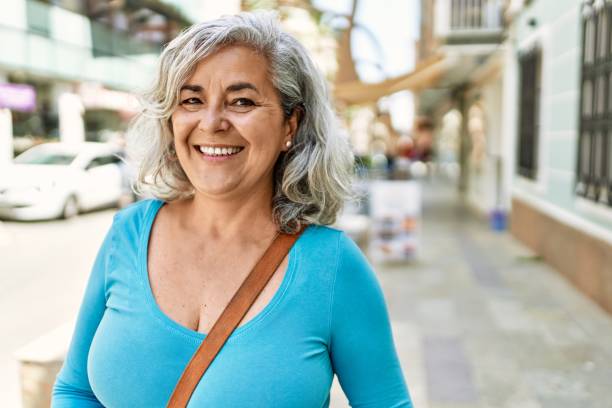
(238, 145)
(261, 76)
(229, 105)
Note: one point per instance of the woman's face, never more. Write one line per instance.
(229, 126)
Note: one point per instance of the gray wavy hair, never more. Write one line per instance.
(312, 180)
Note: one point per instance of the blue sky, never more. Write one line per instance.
(395, 25)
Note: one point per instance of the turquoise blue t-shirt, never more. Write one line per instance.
(328, 317)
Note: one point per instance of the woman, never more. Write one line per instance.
(236, 142)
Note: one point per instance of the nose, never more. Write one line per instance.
(212, 121)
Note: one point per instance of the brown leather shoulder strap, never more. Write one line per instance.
(234, 312)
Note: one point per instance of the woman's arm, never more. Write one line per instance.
(72, 388)
(361, 344)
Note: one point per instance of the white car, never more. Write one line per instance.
(58, 180)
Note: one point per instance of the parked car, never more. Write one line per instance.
(59, 180)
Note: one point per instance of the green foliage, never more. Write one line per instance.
(250, 5)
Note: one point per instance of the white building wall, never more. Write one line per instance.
(6, 132)
(14, 14)
(558, 30)
(67, 52)
(508, 121)
(486, 191)
(6, 137)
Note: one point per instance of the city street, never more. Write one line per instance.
(478, 321)
(463, 120)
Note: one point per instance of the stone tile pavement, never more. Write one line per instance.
(480, 322)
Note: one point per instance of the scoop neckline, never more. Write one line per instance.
(173, 325)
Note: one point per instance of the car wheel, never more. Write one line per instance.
(71, 208)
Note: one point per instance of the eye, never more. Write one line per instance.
(191, 101)
(243, 102)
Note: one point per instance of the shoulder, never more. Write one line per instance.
(321, 234)
(320, 238)
(131, 220)
(352, 271)
(128, 232)
(334, 243)
(356, 290)
(137, 212)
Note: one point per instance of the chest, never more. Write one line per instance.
(277, 365)
(192, 284)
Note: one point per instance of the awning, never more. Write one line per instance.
(425, 75)
(94, 96)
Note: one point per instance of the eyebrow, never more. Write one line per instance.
(238, 86)
(192, 88)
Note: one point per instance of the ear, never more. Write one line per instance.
(171, 125)
(291, 126)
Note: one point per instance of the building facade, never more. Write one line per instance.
(466, 101)
(68, 69)
(561, 201)
(534, 135)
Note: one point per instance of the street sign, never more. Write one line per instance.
(19, 97)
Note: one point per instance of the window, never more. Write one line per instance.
(40, 156)
(103, 161)
(465, 14)
(593, 168)
(529, 112)
(38, 15)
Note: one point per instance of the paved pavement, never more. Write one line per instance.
(44, 267)
(479, 321)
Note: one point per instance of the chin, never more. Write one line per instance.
(215, 190)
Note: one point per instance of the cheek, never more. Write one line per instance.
(261, 131)
(182, 124)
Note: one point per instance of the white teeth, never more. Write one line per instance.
(219, 151)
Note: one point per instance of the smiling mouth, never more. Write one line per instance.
(219, 151)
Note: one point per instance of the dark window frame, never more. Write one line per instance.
(530, 85)
(594, 158)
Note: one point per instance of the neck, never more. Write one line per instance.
(244, 219)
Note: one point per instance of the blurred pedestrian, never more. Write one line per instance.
(237, 142)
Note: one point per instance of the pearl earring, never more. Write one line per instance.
(288, 143)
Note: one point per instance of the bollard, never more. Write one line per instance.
(498, 220)
(39, 363)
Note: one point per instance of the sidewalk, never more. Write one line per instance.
(479, 321)
(4, 235)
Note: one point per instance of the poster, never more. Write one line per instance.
(395, 210)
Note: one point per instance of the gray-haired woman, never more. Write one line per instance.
(236, 142)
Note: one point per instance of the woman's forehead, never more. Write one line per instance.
(232, 64)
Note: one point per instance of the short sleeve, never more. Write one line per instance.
(72, 387)
(361, 343)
